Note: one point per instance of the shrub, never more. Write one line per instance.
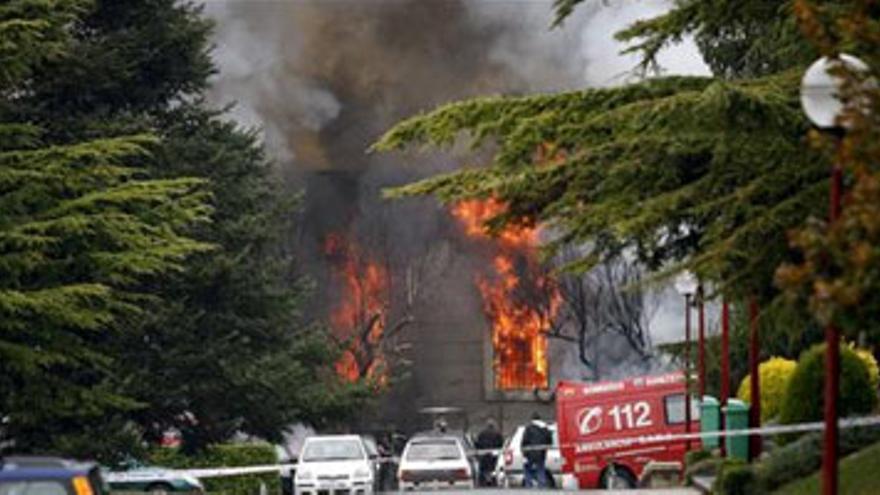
(804, 398)
(804, 456)
(225, 455)
(790, 462)
(853, 439)
(775, 374)
(736, 478)
(695, 456)
(871, 362)
(708, 466)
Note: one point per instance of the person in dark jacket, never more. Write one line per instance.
(489, 439)
(535, 441)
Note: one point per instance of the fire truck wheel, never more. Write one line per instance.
(619, 477)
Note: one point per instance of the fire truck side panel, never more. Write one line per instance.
(598, 424)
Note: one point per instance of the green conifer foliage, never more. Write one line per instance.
(81, 231)
(32, 32)
(675, 168)
(218, 345)
(737, 38)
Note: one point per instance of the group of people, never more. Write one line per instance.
(536, 438)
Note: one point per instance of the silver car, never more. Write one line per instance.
(435, 462)
(509, 470)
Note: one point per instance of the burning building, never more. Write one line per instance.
(423, 300)
(463, 324)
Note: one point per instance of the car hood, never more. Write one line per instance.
(434, 464)
(332, 467)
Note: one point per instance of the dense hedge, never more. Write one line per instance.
(803, 457)
(735, 477)
(231, 455)
(804, 400)
(791, 462)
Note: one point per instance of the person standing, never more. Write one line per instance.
(535, 441)
(490, 442)
(386, 469)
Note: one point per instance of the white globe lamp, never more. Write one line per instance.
(820, 89)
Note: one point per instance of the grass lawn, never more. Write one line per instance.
(859, 475)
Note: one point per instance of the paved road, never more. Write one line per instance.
(523, 491)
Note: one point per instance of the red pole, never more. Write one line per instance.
(832, 368)
(725, 365)
(701, 357)
(755, 381)
(687, 369)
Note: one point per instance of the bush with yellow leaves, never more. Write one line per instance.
(775, 374)
(871, 362)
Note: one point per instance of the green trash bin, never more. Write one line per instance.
(710, 421)
(737, 417)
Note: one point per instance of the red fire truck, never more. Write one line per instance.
(609, 431)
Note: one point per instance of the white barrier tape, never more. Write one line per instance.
(237, 471)
(196, 473)
(580, 447)
(602, 445)
(587, 446)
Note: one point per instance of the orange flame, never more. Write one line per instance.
(359, 318)
(519, 301)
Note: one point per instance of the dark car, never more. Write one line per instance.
(49, 476)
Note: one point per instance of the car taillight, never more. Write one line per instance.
(462, 474)
(405, 476)
(508, 457)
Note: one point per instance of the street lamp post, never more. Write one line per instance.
(686, 285)
(701, 339)
(755, 381)
(725, 367)
(820, 97)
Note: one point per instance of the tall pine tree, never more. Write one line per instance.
(81, 231)
(226, 350)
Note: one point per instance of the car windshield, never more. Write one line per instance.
(433, 450)
(46, 487)
(370, 445)
(333, 450)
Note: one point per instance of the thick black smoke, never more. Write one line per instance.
(325, 78)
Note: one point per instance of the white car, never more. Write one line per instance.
(435, 461)
(509, 470)
(334, 465)
(139, 477)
